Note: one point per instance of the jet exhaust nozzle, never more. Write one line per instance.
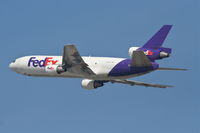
(164, 54)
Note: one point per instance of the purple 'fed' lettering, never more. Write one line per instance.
(41, 63)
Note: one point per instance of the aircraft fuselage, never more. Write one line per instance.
(105, 68)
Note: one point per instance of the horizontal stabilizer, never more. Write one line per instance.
(176, 69)
(131, 82)
(157, 40)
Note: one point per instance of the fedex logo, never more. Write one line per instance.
(148, 52)
(41, 63)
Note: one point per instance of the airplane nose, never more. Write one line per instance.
(11, 65)
(16, 66)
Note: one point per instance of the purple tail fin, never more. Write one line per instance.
(157, 40)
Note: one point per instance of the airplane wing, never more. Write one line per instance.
(139, 59)
(72, 59)
(131, 82)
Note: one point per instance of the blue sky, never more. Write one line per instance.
(99, 28)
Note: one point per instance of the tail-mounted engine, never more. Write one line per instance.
(153, 54)
(91, 84)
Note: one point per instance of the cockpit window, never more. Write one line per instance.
(13, 61)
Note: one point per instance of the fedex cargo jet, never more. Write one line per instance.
(96, 71)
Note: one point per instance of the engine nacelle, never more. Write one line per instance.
(153, 54)
(131, 49)
(91, 84)
(54, 69)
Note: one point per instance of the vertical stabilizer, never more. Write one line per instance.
(157, 40)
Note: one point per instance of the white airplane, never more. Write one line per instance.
(95, 71)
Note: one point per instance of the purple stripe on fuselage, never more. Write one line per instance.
(123, 68)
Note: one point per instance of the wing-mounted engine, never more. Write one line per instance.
(152, 54)
(91, 84)
(54, 69)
